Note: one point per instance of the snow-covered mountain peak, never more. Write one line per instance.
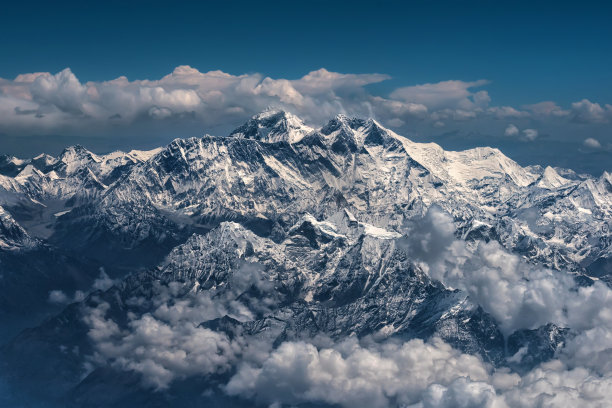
(43, 161)
(456, 167)
(75, 152)
(29, 171)
(12, 160)
(75, 158)
(346, 134)
(144, 155)
(12, 235)
(316, 231)
(346, 223)
(551, 179)
(272, 126)
(465, 166)
(201, 253)
(606, 180)
(342, 121)
(11, 165)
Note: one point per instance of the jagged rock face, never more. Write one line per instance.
(12, 235)
(280, 232)
(274, 169)
(324, 279)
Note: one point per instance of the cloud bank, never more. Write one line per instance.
(413, 374)
(54, 103)
(517, 294)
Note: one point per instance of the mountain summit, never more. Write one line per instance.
(272, 126)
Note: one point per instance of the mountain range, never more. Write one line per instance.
(168, 277)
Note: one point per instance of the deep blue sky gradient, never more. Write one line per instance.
(530, 50)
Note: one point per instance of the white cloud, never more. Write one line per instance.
(511, 130)
(103, 282)
(159, 113)
(58, 296)
(396, 123)
(44, 103)
(324, 81)
(444, 95)
(62, 91)
(518, 295)
(414, 374)
(586, 111)
(169, 343)
(159, 350)
(547, 108)
(505, 112)
(530, 134)
(398, 108)
(351, 375)
(79, 296)
(439, 124)
(592, 143)
(62, 102)
(454, 114)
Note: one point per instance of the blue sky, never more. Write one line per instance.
(527, 49)
(527, 52)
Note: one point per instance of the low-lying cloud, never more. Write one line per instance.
(160, 350)
(169, 343)
(350, 375)
(517, 294)
(413, 374)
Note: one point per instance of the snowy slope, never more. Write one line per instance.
(274, 169)
(277, 232)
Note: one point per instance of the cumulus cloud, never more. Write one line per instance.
(526, 135)
(169, 342)
(511, 130)
(547, 108)
(586, 111)
(351, 375)
(445, 95)
(413, 374)
(188, 100)
(102, 282)
(323, 81)
(505, 112)
(592, 143)
(58, 296)
(160, 350)
(518, 295)
(530, 134)
(51, 102)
